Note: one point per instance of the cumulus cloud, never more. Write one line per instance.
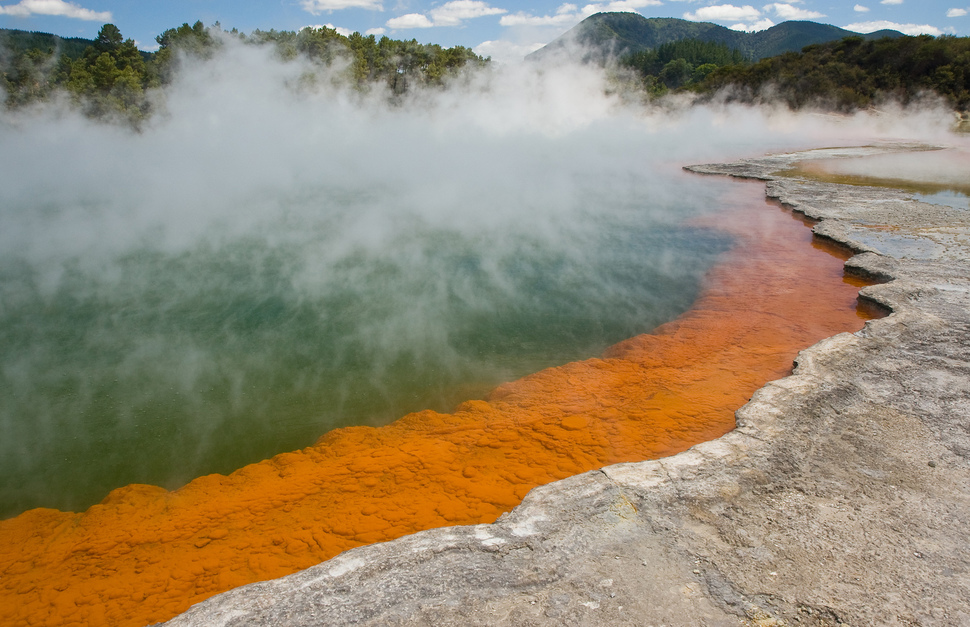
(789, 12)
(906, 29)
(411, 20)
(346, 32)
(753, 26)
(449, 14)
(316, 7)
(375, 31)
(956, 12)
(454, 12)
(860, 9)
(565, 14)
(620, 6)
(724, 13)
(891, 2)
(568, 14)
(26, 8)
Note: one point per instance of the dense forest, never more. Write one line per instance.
(681, 63)
(853, 73)
(110, 77)
(846, 75)
(18, 41)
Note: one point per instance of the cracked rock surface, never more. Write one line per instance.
(843, 496)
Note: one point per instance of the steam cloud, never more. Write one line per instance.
(275, 255)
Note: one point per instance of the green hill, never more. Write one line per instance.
(852, 73)
(19, 41)
(607, 35)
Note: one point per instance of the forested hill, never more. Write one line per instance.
(19, 41)
(616, 35)
(852, 73)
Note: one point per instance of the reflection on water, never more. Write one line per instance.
(157, 365)
(949, 198)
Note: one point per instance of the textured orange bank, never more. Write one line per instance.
(144, 554)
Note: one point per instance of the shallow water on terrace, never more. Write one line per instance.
(156, 365)
(935, 176)
(949, 198)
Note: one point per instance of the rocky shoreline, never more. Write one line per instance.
(843, 496)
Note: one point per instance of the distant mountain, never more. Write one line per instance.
(606, 35)
(18, 41)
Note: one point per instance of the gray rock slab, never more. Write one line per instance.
(842, 498)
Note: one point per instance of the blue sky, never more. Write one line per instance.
(504, 29)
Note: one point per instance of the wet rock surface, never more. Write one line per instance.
(843, 497)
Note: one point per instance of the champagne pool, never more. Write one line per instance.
(144, 554)
(156, 366)
(366, 320)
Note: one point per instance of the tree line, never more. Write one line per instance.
(397, 63)
(844, 75)
(855, 73)
(112, 78)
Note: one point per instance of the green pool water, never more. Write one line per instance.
(154, 363)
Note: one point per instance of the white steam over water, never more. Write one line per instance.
(275, 255)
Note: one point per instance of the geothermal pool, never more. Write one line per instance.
(252, 286)
(156, 364)
(204, 294)
(145, 554)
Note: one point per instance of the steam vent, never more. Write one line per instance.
(144, 554)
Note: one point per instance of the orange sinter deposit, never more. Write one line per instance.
(145, 554)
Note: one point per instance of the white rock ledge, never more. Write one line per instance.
(843, 497)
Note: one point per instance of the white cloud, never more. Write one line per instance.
(340, 29)
(620, 6)
(565, 14)
(907, 29)
(452, 13)
(26, 8)
(375, 31)
(891, 2)
(788, 12)
(346, 32)
(569, 14)
(449, 14)
(724, 12)
(956, 12)
(411, 20)
(754, 26)
(860, 9)
(316, 7)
